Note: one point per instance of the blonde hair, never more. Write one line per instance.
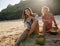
(45, 7)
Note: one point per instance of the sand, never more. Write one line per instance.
(11, 30)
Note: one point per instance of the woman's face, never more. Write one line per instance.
(27, 12)
(45, 11)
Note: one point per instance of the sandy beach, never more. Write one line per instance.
(11, 30)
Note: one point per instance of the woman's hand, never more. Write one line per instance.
(57, 28)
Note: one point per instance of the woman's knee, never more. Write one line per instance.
(35, 21)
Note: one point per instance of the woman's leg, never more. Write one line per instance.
(22, 37)
(33, 28)
(37, 28)
(44, 29)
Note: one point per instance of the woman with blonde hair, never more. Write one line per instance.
(48, 20)
(32, 25)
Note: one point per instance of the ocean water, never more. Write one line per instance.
(57, 18)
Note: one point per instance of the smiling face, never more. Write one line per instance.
(45, 11)
(27, 12)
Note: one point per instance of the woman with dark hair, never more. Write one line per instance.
(48, 20)
(31, 23)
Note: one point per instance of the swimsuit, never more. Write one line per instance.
(50, 26)
(29, 24)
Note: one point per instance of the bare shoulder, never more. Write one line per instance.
(32, 17)
(43, 16)
(51, 14)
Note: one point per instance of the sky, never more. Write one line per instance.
(5, 3)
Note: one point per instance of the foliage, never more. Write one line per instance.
(15, 12)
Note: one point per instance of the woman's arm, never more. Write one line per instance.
(44, 20)
(55, 22)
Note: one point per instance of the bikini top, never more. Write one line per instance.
(48, 18)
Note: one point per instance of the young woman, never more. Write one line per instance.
(31, 23)
(48, 20)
